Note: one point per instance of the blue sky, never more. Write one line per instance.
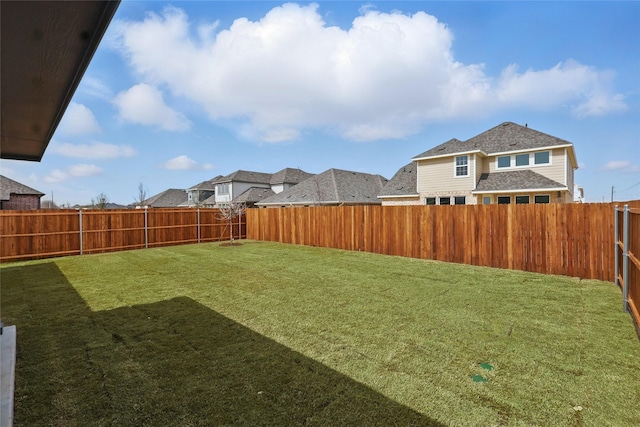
(180, 92)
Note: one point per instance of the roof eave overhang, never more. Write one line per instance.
(399, 196)
(529, 150)
(46, 47)
(520, 190)
(462, 153)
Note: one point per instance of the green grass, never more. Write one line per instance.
(273, 334)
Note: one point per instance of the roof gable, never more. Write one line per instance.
(403, 183)
(246, 176)
(289, 176)
(253, 195)
(172, 197)
(334, 186)
(9, 186)
(503, 138)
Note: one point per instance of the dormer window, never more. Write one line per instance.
(504, 162)
(522, 159)
(542, 158)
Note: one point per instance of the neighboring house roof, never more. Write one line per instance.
(208, 185)
(167, 199)
(209, 201)
(334, 186)
(245, 176)
(253, 195)
(403, 183)
(503, 138)
(522, 180)
(9, 187)
(289, 176)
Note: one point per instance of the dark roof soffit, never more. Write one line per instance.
(46, 47)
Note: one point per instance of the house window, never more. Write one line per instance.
(462, 165)
(504, 200)
(223, 188)
(541, 199)
(459, 200)
(445, 200)
(430, 201)
(541, 158)
(504, 162)
(522, 159)
(522, 200)
(486, 200)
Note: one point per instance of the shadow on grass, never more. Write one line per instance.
(174, 362)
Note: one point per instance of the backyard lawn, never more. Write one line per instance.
(274, 334)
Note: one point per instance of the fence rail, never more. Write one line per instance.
(565, 239)
(627, 259)
(49, 233)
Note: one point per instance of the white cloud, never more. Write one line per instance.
(584, 88)
(185, 163)
(78, 120)
(96, 87)
(94, 150)
(144, 104)
(620, 166)
(73, 171)
(384, 77)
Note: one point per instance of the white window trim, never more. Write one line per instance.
(533, 157)
(532, 160)
(455, 166)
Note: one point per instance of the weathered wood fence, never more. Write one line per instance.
(627, 259)
(48, 233)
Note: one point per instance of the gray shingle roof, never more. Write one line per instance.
(403, 183)
(245, 176)
(505, 137)
(334, 186)
(209, 184)
(253, 195)
(515, 181)
(289, 176)
(170, 198)
(9, 186)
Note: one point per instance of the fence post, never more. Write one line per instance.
(80, 220)
(146, 228)
(198, 225)
(625, 261)
(616, 247)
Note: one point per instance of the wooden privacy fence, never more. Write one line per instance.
(627, 258)
(48, 233)
(565, 239)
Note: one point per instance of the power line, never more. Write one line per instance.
(629, 188)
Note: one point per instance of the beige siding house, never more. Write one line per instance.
(506, 164)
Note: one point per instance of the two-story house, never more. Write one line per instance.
(506, 164)
(241, 186)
